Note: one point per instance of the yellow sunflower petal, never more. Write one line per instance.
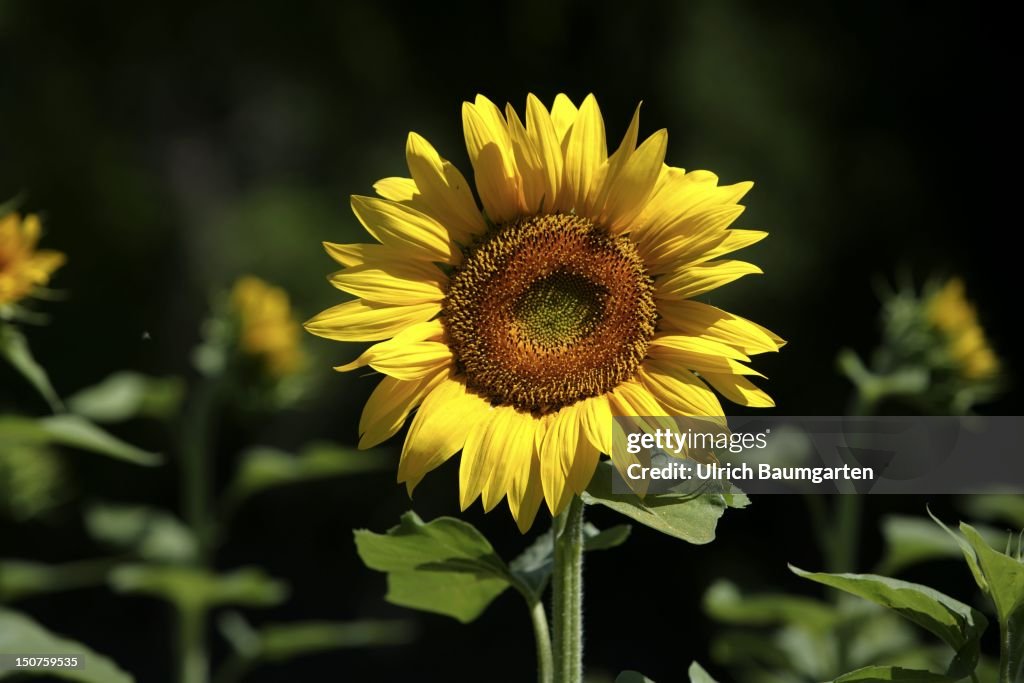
(698, 278)
(490, 152)
(405, 361)
(444, 190)
(478, 456)
(563, 116)
(404, 229)
(597, 422)
(633, 184)
(511, 443)
(439, 429)
(390, 404)
(397, 283)
(396, 189)
(558, 448)
(526, 495)
(677, 390)
(541, 130)
(701, 320)
(358, 254)
(678, 345)
(585, 155)
(528, 162)
(366, 321)
(738, 390)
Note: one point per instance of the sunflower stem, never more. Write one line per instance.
(567, 594)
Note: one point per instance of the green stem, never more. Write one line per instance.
(542, 634)
(193, 666)
(567, 594)
(847, 533)
(195, 463)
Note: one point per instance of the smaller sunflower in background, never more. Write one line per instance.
(967, 349)
(267, 329)
(934, 357)
(520, 329)
(23, 267)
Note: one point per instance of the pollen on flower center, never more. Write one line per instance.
(548, 310)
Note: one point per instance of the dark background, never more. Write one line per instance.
(173, 146)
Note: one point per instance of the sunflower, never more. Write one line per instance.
(22, 266)
(268, 331)
(966, 347)
(520, 329)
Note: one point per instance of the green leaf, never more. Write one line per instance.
(72, 431)
(263, 468)
(77, 432)
(699, 675)
(910, 540)
(692, 518)
(14, 347)
(534, 565)
(958, 625)
(632, 677)
(724, 602)
(21, 634)
(125, 395)
(24, 578)
(196, 589)
(880, 674)
(150, 533)
(278, 642)
(444, 566)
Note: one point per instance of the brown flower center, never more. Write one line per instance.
(549, 310)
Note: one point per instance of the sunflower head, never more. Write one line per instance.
(517, 321)
(23, 267)
(956, 320)
(267, 330)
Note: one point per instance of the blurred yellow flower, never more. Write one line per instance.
(955, 317)
(569, 298)
(268, 331)
(22, 266)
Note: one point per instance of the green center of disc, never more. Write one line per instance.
(559, 309)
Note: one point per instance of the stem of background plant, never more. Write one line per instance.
(567, 594)
(195, 464)
(542, 634)
(193, 666)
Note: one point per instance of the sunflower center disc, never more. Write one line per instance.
(547, 311)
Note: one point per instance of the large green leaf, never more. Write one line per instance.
(690, 517)
(1001, 577)
(444, 566)
(263, 468)
(881, 674)
(72, 431)
(20, 634)
(125, 395)
(196, 589)
(14, 348)
(958, 625)
(150, 533)
(724, 602)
